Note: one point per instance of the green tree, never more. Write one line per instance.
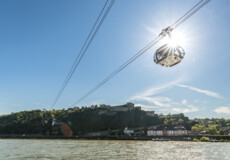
(199, 127)
(212, 129)
(204, 139)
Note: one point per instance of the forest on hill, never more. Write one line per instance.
(89, 119)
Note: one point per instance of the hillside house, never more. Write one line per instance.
(167, 131)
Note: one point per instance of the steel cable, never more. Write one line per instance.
(84, 48)
(146, 48)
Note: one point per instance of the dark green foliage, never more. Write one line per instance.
(21, 122)
(28, 122)
(91, 119)
(175, 119)
(214, 126)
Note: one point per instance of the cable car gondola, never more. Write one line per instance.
(169, 56)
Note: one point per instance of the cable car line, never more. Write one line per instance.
(202, 5)
(137, 55)
(186, 13)
(85, 46)
(142, 51)
(171, 54)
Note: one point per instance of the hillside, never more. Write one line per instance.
(85, 120)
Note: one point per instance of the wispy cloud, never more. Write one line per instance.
(179, 109)
(163, 104)
(150, 100)
(148, 95)
(155, 90)
(206, 92)
(222, 110)
(185, 107)
(158, 101)
(189, 109)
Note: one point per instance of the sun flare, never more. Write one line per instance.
(177, 38)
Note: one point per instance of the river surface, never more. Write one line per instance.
(14, 149)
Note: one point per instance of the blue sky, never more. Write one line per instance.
(40, 39)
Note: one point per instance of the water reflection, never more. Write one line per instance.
(89, 149)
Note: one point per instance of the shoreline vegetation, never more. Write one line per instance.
(186, 139)
(124, 122)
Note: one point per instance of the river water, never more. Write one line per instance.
(14, 149)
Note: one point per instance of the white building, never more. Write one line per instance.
(155, 132)
(175, 131)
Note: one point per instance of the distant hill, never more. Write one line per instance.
(85, 120)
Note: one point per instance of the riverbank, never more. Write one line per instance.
(217, 138)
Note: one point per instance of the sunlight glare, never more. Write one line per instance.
(177, 38)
